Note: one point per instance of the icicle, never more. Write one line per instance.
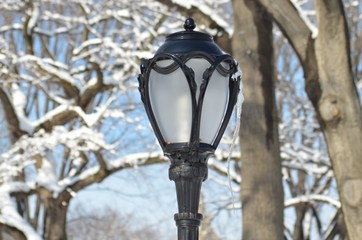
(238, 109)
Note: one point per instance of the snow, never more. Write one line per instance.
(34, 16)
(113, 80)
(355, 3)
(303, 15)
(43, 64)
(311, 198)
(92, 119)
(135, 159)
(72, 193)
(39, 150)
(84, 54)
(131, 160)
(19, 102)
(68, 181)
(123, 13)
(10, 216)
(54, 63)
(209, 11)
(85, 8)
(30, 126)
(58, 31)
(229, 28)
(46, 175)
(37, 92)
(15, 26)
(86, 44)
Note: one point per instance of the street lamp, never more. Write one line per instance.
(189, 89)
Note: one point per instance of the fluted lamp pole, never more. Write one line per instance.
(189, 89)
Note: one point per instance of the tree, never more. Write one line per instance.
(66, 93)
(261, 188)
(306, 168)
(332, 91)
(58, 91)
(325, 58)
(309, 183)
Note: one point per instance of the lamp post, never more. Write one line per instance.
(189, 89)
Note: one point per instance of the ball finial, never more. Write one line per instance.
(189, 24)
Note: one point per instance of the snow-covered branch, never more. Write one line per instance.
(305, 14)
(312, 198)
(10, 216)
(214, 15)
(97, 174)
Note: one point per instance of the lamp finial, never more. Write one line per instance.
(189, 24)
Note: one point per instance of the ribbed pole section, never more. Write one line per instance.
(188, 178)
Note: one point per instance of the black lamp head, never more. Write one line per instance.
(189, 89)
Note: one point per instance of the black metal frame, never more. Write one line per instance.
(179, 61)
(189, 159)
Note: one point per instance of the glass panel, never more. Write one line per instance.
(214, 107)
(215, 99)
(171, 103)
(199, 65)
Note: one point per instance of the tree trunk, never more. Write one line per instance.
(340, 111)
(55, 219)
(331, 89)
(261, 189)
